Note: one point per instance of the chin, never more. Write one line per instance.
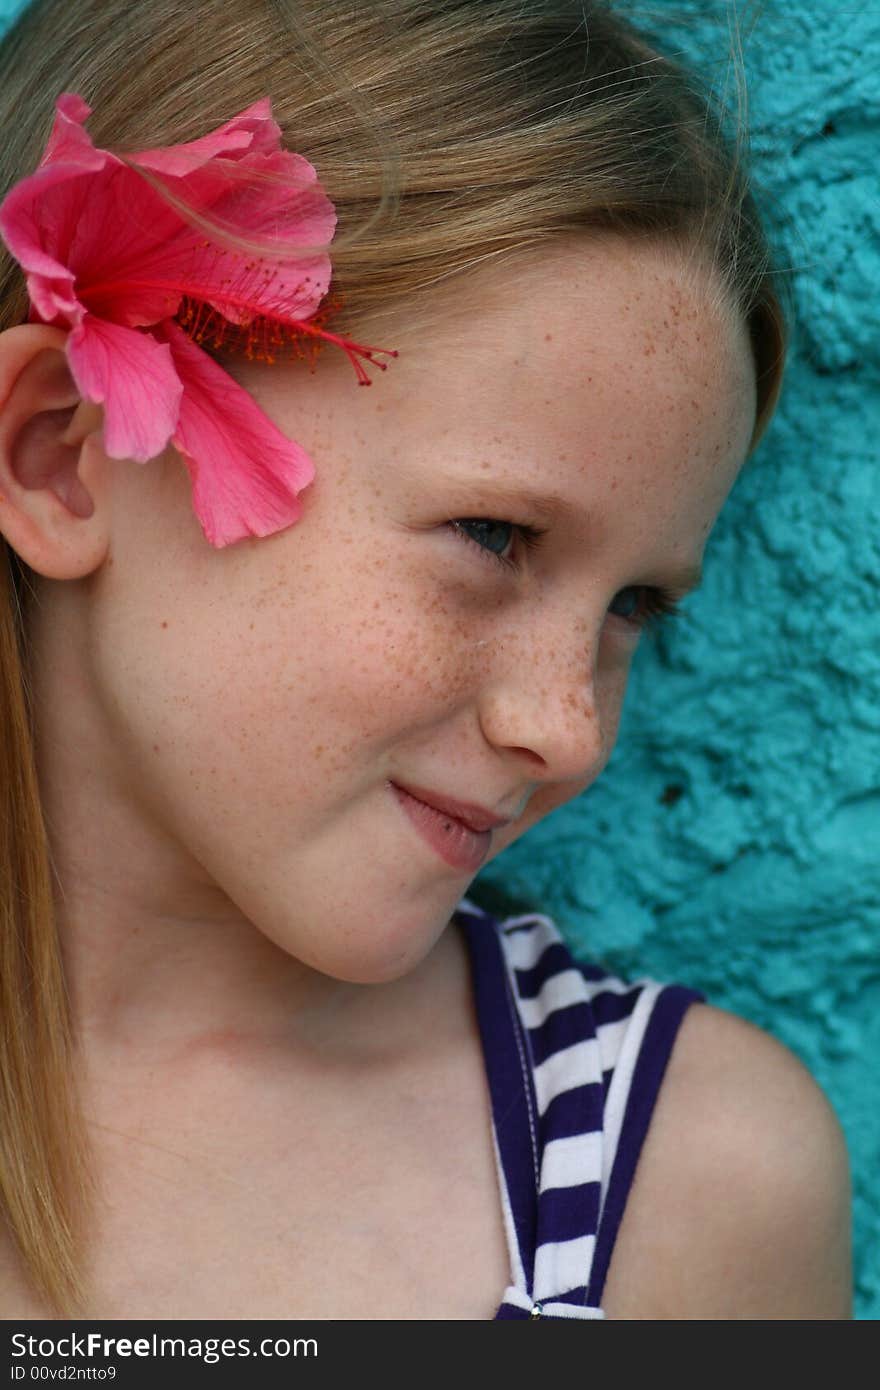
(379, 956)
(381, 968)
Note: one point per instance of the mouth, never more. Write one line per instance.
(454, 840)
(476, 818)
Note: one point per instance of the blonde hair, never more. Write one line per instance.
(447, 134)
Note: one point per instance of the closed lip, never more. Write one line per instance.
(476, 818)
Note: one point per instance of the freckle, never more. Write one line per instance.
(164, 624)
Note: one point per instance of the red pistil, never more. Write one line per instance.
(261, 334)
(267, 337)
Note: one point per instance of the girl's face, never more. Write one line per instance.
(240, 714)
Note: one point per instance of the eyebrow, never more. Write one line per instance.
(550, 506)
(687, 578)
(545, 506)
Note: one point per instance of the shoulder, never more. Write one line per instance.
(740, 1203)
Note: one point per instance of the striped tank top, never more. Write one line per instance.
(574, 1059)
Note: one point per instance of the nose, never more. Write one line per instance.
(548, 704)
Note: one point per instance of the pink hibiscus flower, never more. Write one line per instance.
(138, 283)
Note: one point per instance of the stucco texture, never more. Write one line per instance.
(733, 842)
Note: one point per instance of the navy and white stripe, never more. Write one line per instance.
(574, 1059)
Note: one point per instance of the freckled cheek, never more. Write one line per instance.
(378, 652)
(408, 619)
(610, 695)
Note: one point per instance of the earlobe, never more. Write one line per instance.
(50, 453)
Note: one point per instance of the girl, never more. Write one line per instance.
(272, 698)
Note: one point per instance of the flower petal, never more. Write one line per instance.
(85, 221)
(133, 377)
(39, 218)
(135, 256)
(132, 252)
(68, 142)
(251, 130)
(245, 473)
(282, 206)
(94, 236)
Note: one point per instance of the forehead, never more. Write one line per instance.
(597, 355)
(606, 313)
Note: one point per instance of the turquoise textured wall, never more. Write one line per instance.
(734, 840)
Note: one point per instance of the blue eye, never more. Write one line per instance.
(656, 604)
(488, 529)
(633, 607)
(652, 604)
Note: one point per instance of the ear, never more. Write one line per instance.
(54, 473)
